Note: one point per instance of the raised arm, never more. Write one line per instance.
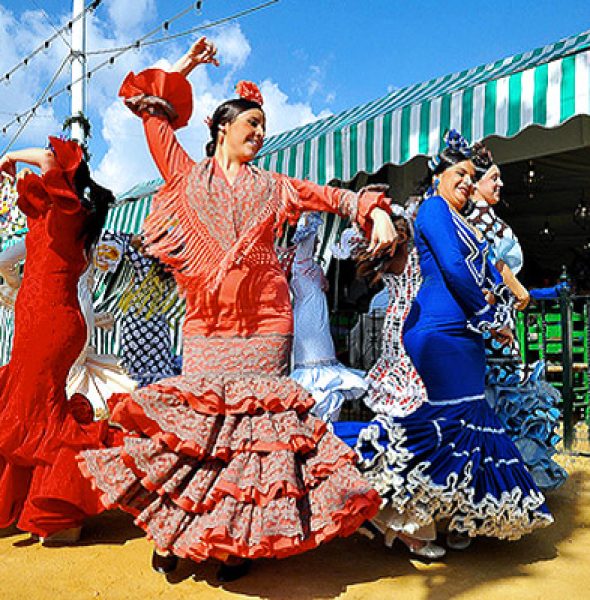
(163, 100)
(42, 158)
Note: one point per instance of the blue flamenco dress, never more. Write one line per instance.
(451, 458)
(524, 402)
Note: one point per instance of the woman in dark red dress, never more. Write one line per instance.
(41, 487)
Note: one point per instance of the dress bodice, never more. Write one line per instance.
(455, 269)
(218, 237)
(55, 258)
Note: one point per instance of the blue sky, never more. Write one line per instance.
(311, 57)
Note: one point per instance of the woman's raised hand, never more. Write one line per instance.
(383, 235)
(201, 52)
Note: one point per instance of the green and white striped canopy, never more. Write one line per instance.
(545, 87)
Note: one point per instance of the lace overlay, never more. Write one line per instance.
(256, 354)
(229, 460)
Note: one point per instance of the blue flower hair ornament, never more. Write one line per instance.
(454, 141)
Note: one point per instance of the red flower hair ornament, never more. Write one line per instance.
(249, 91)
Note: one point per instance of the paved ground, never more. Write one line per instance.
(113, 564)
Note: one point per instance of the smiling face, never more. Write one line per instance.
(242, 138)
(456, 183)
(490, 185)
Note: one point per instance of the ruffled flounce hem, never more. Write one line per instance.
(208, 485)
(228, 394)
(97, 378)
(330, 386)
(528, 411)
(282, 526)
(40, 443)
(436, 464)
(199, 485)
(394, 388)
(169, 421)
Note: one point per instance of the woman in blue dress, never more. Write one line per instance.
(451, 459)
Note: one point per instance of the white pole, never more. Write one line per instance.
(78, 69)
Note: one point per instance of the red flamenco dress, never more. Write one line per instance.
(40, 484)
(226, 458)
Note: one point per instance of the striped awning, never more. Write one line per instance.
(545, 87)
(132, 207)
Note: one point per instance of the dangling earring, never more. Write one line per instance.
(435, 183)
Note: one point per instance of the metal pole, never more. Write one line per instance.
(565, 304)
(78, 69)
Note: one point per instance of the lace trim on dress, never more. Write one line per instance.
(256, 354)
(412, 492)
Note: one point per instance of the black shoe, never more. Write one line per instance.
(164, 564)
(227, 573)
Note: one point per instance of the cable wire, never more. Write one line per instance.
(137, 45)
(47, 43)
(39, 102)
(64, 39)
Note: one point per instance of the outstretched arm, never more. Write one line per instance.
(145, 94)
(369, 208)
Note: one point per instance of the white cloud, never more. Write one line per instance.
(18, 37)
(232, 46)
(127, 161)
(122, 159)
(282, 115)
(129, 16)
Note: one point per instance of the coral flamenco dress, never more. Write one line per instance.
(226, 458)
(40, 484)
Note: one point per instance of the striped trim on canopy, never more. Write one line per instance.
(545, 87)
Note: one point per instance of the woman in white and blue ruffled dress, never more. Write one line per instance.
(451, 458)
(315, 366)
(523, 401)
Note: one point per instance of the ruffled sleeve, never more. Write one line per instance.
(302, 195)
(55, 188)
(164, 101)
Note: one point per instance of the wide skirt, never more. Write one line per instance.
(450, 460)
(227, 460)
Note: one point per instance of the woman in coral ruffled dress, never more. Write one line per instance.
(225, 461)
(41, 487)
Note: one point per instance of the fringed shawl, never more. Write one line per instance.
(202, 228)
